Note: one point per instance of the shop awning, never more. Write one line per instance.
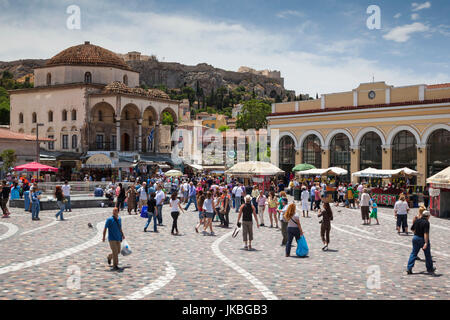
(441, 179)
(376, 173)
(98, 161)
(196, 166)
(333, 171)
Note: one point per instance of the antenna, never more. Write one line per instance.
(373, 78)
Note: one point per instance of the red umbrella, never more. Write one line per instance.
(35, 166)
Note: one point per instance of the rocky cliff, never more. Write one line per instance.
(176, 75)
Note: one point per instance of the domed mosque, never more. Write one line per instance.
(89, 101)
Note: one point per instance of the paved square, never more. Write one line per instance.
(40, 259)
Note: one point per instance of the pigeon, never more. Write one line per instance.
(90, 225)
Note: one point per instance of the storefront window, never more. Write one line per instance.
(340, 154)
(370, 151)
(287, 154)
(404, 151)
(438, 151)
(312, 153)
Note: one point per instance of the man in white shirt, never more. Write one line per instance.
(401, 210)
(365, 203)
(305, 197)
(238, 196)
(160, 196)
(185, 186)
(66, 191)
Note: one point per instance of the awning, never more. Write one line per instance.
(98, 161)
(376, 173)
(441, 179)
(333, 171)
(196, 166)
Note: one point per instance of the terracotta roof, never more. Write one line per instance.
(87, 55)
(120, 87)
(9, 135)
(437, 86)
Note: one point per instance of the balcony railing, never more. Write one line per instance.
(102, 146)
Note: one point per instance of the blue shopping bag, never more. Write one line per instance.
(144, 213)
(302, 247)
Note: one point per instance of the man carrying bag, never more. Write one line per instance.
(115, 237)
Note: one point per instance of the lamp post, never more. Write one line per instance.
(37, 141)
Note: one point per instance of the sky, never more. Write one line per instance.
(320, 46)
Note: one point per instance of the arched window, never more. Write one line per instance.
(312, 153)
(404, 151)
(370, 151)
(287, 154)
(340, 153)
(125, 80)
(49, 79)
(100, 115)
(74, 115)
(64, 115)
(87, 77)
(50, 116)
(34, 117)
(21, 117)
(438, 151)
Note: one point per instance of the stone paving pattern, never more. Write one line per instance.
(340, 273)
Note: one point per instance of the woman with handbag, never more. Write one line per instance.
(294, 229)
(60, 202)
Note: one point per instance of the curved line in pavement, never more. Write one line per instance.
(40, 228)
(12, 230)
(155, 285)
(55, 256)
(385, 241)
(255, 282)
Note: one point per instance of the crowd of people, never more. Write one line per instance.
(214, 198)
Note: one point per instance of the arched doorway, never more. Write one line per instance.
(129, 124)
(287, 154)
(102, 127)
(370, 151)
(438, 154)
(125, 142)
(340, 154)
(404, 151)
(312, 152)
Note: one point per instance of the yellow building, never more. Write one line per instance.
(375, 125)
(214, 121)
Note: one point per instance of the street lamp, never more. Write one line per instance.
(37, 141)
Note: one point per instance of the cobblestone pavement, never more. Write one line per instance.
(41, 258)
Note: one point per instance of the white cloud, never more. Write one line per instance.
(398, 15)
(403, 33)
(415, 16)
(285, 14)
(420, 6)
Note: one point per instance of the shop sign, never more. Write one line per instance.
(385, 199)
(98, 161)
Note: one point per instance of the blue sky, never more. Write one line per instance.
(319, 46)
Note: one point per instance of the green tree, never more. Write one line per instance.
(4, 106)
(223, 128)
(9, 158)
(167, 120)
(254, 115)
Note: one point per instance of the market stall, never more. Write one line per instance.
(440, 194)
(328, 172)
(35, 167)
(387, 196)
(259, 172)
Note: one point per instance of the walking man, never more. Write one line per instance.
(115, 237)
(192, 197)
(160, 197)
(66, 192)
(421, 240)
(238, 196)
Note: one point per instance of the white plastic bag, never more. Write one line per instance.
(125, 249)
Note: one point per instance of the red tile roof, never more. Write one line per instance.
(437, 86)
(9, 135)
